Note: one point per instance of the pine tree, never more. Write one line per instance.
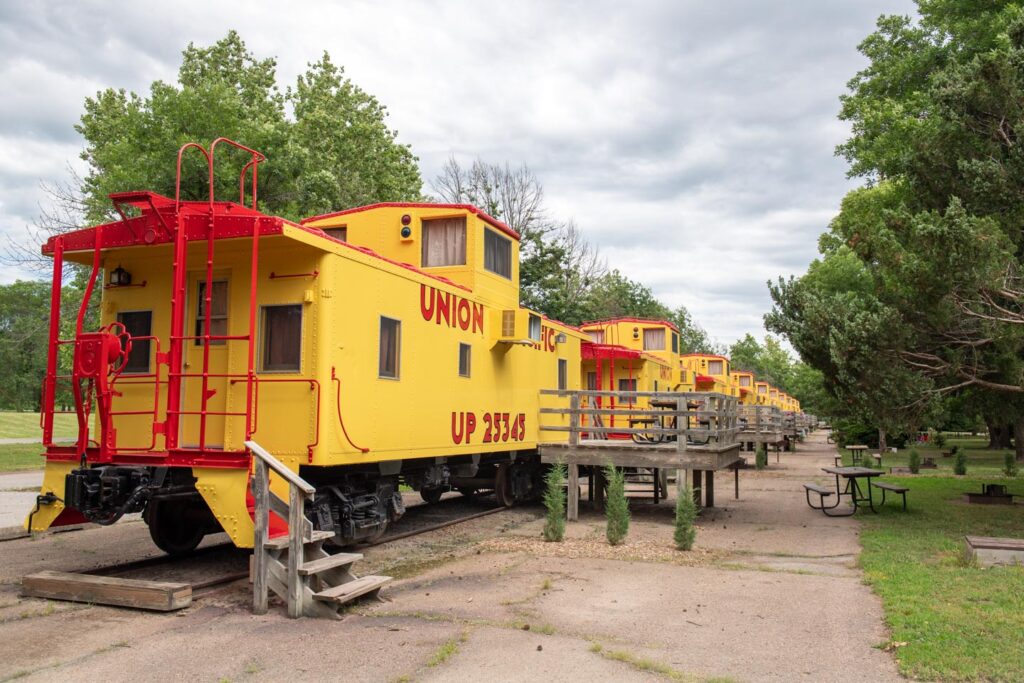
(915, 461)
(686, 513)
(761, 457)
(960, 462)
(554, 502)
(617, 509)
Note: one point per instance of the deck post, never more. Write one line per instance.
(697, 487)
(736, 472)
(574, 419)
(709, 489)
(295, 551)
(261, 494)
(572, 509)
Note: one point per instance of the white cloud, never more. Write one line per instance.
(692, 142)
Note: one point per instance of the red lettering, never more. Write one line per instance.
(463, 309)
(478, 318)
(444, 308)
(470, 425)
(487, 431)
(427, 311)
(458, 426)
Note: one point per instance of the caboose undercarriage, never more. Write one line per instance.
(356, 503)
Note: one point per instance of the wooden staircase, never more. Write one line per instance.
(313, 582)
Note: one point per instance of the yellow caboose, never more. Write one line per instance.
(710, 372)
(743, 382)
(374, 347)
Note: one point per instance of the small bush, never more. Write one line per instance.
(617, 508)
(939, 440)
(554, 502)
(686, 513)
(1010, 465)
(960, 461)
(914, 461)
(761, 457)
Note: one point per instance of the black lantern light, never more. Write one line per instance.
(119, 277)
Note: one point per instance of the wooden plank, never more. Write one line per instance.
(295, 552)
(280, 469)
(261, 489)
(995, 543)
(159, 596)
(329, 562)
(353, 589)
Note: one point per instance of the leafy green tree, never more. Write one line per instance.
(334, 150)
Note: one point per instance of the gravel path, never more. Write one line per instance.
(771, 592)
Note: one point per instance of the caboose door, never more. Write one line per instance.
(197, 432)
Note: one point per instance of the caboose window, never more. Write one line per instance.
(597, 336)
(654, 339)
(218, 311)
(675, 343)
(716, 367)
(563, 374)
(390, 347)
(137, 324)
(282, 338)
(497, 254)
(744, 381)
(535, 327)
(340, 234)
(465, 352)
(444, 242)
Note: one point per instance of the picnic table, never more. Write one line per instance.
(663, 423)
(852, 489)
(857, 451)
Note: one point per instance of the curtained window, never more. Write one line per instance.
(137, 324)
(744, 380)
(282, 338)
(444, 242)
(597, 336)
(591, 381)
(535, 327)
(497, 254)
(390, 347)
(465, 354)
(716, 367)
(654, 339)
(218, 311)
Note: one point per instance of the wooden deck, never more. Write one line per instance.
(622, 453)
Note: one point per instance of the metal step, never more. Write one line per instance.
(352, 590)
(280, 542)
(329, 562)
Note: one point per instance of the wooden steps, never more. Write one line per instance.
(330, 562)
(281, 542)
(346, 592)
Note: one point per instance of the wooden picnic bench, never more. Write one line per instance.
(823, 493)
(895, 488)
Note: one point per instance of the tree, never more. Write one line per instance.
(686, 514)
(554, 503)
(334, 151)
(617, 508)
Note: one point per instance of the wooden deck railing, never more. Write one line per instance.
(687, 418)
(760, 419)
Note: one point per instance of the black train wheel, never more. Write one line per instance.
(176, 527)
(503, 485)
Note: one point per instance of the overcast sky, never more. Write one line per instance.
(691, 141)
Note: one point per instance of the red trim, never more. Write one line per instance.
(642, 321)
(704, 379)
(490, 220)
(591, 351)
(703, 355)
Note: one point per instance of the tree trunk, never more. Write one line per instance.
(1018, 436)
(999, 436)
(881, 442)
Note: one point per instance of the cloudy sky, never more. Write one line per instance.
(692, 141)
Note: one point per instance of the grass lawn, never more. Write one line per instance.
(959, 623)
(26, 426)
(980, 461)
(20, 456)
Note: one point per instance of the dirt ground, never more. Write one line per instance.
(771, 592)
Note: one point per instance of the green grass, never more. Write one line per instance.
(20, 456)
(26, 426)
(959, 623)
(980, 461)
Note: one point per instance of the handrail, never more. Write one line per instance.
(293, 479)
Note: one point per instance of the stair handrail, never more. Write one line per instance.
(298, 491)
